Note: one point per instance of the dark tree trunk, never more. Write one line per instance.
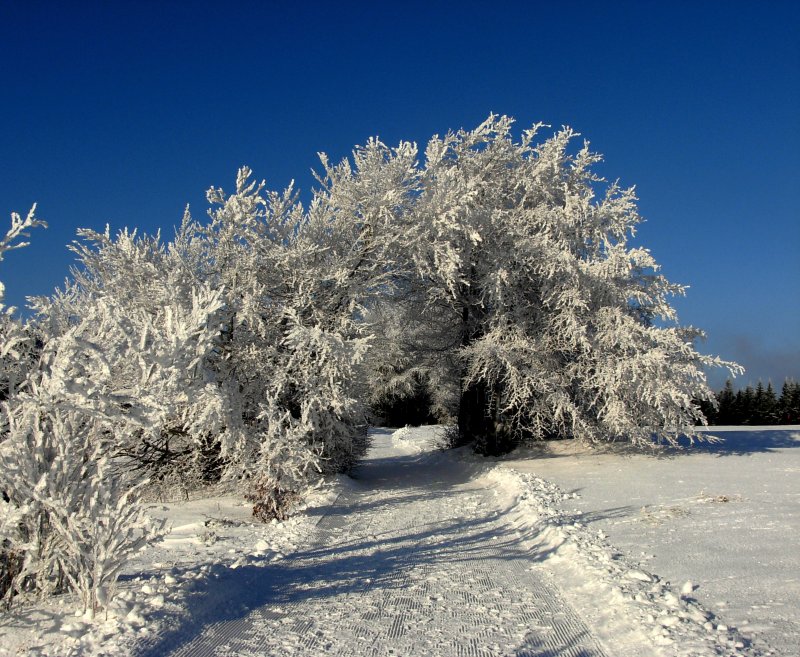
(473, 419)
(480, 421)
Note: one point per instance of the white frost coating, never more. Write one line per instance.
(521, 283)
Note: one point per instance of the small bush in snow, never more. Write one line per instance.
(403, 433)
(77, 521)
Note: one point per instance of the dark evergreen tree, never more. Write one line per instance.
(748, 405)
(727, 402)
(756, 406)
(743, 406)
(709, 409)
(784, 402)
(759, 405)
(789, 403)
(769, 406)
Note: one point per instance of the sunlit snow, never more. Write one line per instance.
(427, 552)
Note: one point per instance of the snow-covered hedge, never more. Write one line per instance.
(497, 272)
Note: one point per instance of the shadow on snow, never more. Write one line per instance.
(372, 561)
(728, 443)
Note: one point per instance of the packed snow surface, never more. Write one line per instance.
(723, 517)
(549, 551)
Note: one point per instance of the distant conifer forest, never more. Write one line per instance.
(755, 406)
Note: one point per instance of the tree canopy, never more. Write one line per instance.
(492, 278)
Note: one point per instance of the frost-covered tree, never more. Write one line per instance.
(70, 520)
(19, 342)
(18, 347)
(146, 328)
(298, 285)
(559, 326)
(237, 346)
(289, 345)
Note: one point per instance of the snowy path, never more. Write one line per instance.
(414, 559)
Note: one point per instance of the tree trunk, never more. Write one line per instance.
(479, 418)
(473, 421)
(480, 421)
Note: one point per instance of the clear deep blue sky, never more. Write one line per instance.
(122, 113)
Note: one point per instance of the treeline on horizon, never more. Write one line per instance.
(754, 406)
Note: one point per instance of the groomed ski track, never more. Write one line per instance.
(414, 559)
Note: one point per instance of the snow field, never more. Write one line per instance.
(617, 597)
(553, 550)
(722, 519)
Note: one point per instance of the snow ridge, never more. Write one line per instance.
(604, 578)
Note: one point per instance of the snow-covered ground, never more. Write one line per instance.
(208, 536)
(724, 516)
(551, 551)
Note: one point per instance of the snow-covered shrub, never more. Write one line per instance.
(69, 517)
(12, 557)
(403, 433)
(18, 356)
(229, 352)
(156, 329)
(286, 465)
(76, 521)
(19, 342)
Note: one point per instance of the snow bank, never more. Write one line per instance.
(616, 595)
(724, 515)
(416, 440)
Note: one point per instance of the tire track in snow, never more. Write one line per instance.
(414, 560)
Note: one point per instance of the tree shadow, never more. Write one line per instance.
(334, 567)
(43, 619)
(741, 442)
(727, 442)
(399, 474)
(590, 517)
(379, 561)
(536, 645)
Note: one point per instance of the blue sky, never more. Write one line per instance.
(122, 113)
